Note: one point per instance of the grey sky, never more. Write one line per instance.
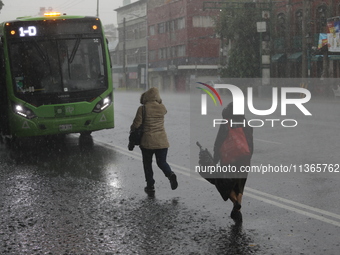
(18, 8)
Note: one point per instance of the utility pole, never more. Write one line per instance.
(147, 58)
(98, 8)
(288, 40)
(124, 54)
(305, 34)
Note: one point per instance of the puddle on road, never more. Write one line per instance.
(45, 211)
(169, 227)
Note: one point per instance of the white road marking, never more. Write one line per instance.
(266, 141)
(323, 212)
(305, 213)
(256, 194)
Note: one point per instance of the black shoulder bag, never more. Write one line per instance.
(136, 135)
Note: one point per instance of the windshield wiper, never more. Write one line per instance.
(74, 50)
(40, 51)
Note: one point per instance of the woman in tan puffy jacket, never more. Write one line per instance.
(154, 139)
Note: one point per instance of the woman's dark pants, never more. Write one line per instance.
(161, 155)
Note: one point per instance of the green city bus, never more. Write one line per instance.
(55, 76)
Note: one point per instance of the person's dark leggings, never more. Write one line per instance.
(161, 155)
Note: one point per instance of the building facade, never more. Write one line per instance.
(183, 45)
(130, 57)
(296, 33)
(171, 44)
(175, 39)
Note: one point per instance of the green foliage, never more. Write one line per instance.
(1, 5)
(239, 27)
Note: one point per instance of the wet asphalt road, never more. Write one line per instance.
(58, 198)
(61, 199)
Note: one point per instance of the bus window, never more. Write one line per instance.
(85, 70)
(35, 67)
(58, 65)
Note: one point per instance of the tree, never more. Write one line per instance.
(238, 25)
(1, 5)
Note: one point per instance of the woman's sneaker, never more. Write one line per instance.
(149, 190)
(173, 181)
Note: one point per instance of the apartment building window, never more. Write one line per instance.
(131, 57)
(136, 33)
(181, 50)
(161, 28)
(130, 33)
(177, 51)
(152, 30)
(180, 23)
(142, 29)
(162, 53)
(152, 55)
(167, 26)
(173, 51)
(298, 22)
(202, 21)
(168, 52)
(281, 24)
(172, 25)
(321, 18)
(142, 55)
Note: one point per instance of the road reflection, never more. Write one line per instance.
(235, 240)
(169, 227)
(63, 196)
(60, 155)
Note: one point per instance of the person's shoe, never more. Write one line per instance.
(236, 215)
(173, 181)
(150, 190)
(237, 206)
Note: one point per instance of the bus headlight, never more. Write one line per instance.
(102, 104)
(23, 111)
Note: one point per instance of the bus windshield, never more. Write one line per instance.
(48, 66)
